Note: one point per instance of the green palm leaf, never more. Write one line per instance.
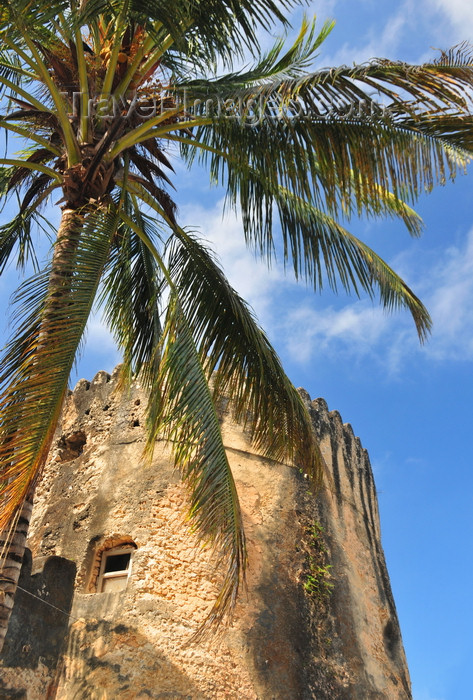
(15, 237)
(319, 247)
(52, 311)
(247, 369)
(183, 411)
(131, 295)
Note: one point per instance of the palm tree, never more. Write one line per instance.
(104, 92)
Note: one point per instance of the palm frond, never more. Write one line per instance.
(132, 295)
(15, 237)
(247, 369)
(310, 134)
(321, 248)
(182, 410)
(26, 133)
(36, 17)
(316, 160)
(22, 167)
(12, 70)
(272, 69)
(38, 359)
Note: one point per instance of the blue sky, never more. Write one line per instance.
(410, 404)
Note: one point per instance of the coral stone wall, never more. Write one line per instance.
(317, 619)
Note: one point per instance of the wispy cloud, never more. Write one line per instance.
(359, 330)
(458, 14)
(450, 301)
(374, 41)
(410, 32)
(353, 330)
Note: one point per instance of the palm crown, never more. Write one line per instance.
(103, 91)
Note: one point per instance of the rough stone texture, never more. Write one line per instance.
(290, 639)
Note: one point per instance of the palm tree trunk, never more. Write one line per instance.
(13, 538)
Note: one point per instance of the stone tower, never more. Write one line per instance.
(115, 583)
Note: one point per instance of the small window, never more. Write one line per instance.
(114, 570)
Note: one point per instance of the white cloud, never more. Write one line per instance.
(353, 330)
(425, 694)
(451, 304)
(459, 14)
(376, 43)
(411, 32)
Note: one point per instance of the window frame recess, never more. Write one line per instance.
(123, 574)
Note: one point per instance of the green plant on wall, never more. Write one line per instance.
(317, 577)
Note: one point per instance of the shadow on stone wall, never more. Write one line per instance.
(39, 623)
(106, 659)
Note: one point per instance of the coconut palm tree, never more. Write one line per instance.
(104, 94)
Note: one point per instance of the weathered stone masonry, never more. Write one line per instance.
(291, 639)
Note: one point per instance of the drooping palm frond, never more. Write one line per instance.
(15, 238)
(311, 134)
(181, 408)
(316, 159)
(239, 357)
(229, 338)
(320, 247)
(183, 411)
(52, 311)
(132, 295)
